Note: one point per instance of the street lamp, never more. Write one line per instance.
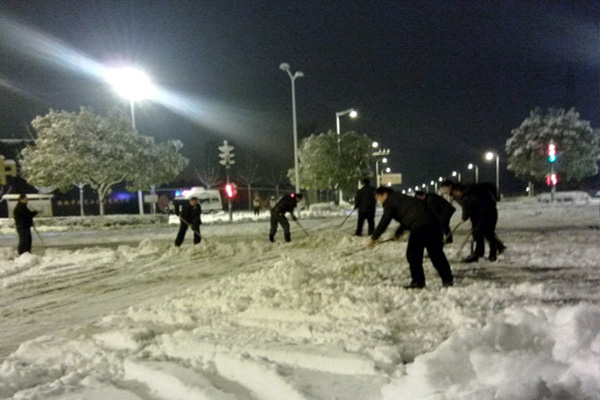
(476, 167)
(435, 185)
(457, 174)
(298, 74)
(489, 156)
(133, 85)
(379, 153)
(351, 112)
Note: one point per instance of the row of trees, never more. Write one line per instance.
(577, 142)
(101, 151)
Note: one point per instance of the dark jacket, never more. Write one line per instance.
(23, 216)
(287, 204)
(412, 213)
(188, 213)
(441, 208)
(364, 200)
(477, 201)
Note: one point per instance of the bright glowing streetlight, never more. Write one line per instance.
(133, 85)
(489, 156)
(351, 112)
(457, 175)
(375, 145)
(298, 74)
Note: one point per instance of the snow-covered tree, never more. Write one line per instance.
(329, 161)
(85, 148)
(578, 146)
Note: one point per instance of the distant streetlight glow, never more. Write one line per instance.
(375, 145)
(476, 167)
(388, 170)
(384, 160)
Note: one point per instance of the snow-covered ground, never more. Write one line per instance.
(121, 314)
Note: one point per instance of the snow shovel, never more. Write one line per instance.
(191, 228)
(303, 230)
(39, 237)
(451, 234)
(464, 243)
(347, 216)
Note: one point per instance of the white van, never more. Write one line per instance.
(210, 200)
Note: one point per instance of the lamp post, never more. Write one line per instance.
(476, 168)
(489, 156)
(133, 85)
(352, 112)
(457, 175)
(435, 185)
(379, 153)
(298, 74)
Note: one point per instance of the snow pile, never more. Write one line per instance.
(320, 318)
(7, 225)
(525, 354)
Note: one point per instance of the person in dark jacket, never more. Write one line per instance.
(478, 203)
(365, 203)
(24, 221)
(287, 204)
(189, 217)
(425, 233)
(441, 208)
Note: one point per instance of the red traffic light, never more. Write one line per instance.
(551, 179)
(230, 190)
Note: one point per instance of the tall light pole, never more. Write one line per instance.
(133, 85)
(378, 154)
(298, 74)
(351, 112)
(489, 156)
(476, 167)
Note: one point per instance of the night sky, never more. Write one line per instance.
(438, 82)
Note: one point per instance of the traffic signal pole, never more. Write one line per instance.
(229, 198)
(226, 155)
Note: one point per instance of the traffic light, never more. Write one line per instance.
(552, 152)
(226, 155)
(230, 190)
(551, 179)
